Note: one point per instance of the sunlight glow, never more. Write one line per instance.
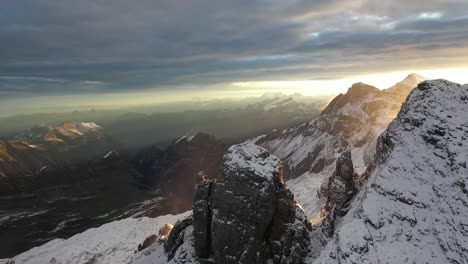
(333, 87)
(233, 90)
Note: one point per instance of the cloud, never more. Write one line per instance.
(92, 82)
(120, 45)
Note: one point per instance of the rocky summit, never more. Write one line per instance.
(246, 215)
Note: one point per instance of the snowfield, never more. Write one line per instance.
(111, 243)
(305, 188)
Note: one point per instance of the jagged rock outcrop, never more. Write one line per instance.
(177, 236)
(166, 230)
(246, 215)
(341, 185)
(202, 213)
(339, 192)
(414, 206)
(147, 242)
(243, 203)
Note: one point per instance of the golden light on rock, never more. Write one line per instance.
(166, 230)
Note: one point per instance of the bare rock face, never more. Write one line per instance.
(243, 204)
(166, 230)
(247, 215)
(341, 185)
(148, 242)
(202, 213)
(340, 190)
(176, 237)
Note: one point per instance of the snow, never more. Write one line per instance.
(277, 102)
(155, 254)
(113, 242)
(108, 154)
(412, 80)
(414, 207)
(253, 158)
(85, 127)
(180, 139)
(305, 189)
(186, 138)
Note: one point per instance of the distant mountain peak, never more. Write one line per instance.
(361, 89)
(413, 79)
(404, 87)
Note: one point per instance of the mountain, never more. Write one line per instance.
(409, 82)
(249, 118)
(46, 145)
(298, 104)
(174, 170)
(50, 176)
(414, 205)
(409, 206)
(29, 160)
(351, 121)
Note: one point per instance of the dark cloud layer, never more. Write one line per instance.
(70, 46)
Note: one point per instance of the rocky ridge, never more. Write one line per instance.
(351, 122)
(413, 208)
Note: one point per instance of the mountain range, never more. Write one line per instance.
(409, 206)
(351, 122)
(378, 177)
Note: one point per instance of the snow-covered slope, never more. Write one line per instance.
(352, 121)
(111, 243)
(414, 207)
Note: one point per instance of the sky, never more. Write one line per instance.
(161, 50)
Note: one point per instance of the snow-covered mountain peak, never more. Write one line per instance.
(359, 90)
(404, 87)
(413, 79)
(351, 122)
(69, 130)
(414, 206)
